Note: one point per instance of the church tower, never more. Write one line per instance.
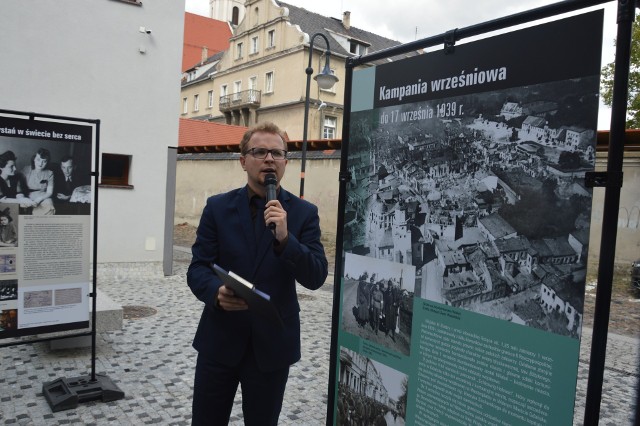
(231, 11)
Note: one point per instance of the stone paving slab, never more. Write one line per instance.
(152, 361)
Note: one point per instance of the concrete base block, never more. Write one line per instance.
(70, 343)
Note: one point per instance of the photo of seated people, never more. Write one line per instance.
(46, 177)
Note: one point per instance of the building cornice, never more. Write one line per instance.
(258, 62)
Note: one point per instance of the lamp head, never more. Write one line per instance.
(325, 79)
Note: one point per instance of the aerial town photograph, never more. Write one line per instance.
(485, 195)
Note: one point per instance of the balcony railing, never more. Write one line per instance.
(244, 99)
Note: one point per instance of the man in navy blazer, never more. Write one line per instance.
(235, 345)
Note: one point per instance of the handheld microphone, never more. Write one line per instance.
(270, 184)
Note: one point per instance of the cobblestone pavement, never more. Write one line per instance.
(152, 361)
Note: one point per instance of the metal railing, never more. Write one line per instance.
(245, 99)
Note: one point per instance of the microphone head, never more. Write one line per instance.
(270, 179)
(270, 183)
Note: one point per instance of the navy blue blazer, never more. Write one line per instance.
(225, 236)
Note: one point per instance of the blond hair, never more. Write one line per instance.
(264, 127)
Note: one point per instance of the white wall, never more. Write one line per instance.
(81, 58)
(628, 236)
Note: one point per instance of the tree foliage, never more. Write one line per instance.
(569, 160)
(536, 214)
(633, 100)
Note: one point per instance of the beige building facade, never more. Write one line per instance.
(261, 77)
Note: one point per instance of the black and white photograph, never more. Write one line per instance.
(484, 195)
(377, 301)
(45, 177)
(8, 290)
(370, 393)
(9, 217)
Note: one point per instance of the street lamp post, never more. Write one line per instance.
(325, 80)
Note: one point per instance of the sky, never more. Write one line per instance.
(409, 20)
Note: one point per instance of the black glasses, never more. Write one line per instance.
(261, 153)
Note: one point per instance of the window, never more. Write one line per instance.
(115, 170)
(224, 99)
(185, 106)
(210, 99)
(357, 48)
(253, 88)
(235, 15)
(239, 50)
(268, 82)
(237, 88)
(329, 129)
(271, 39)
(196, 102)
(254, 45)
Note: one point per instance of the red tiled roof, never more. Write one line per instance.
(205, 136)
(201, 136)
(200, 31)
(327, 145)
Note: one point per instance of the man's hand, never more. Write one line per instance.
(274, 213)
(228, 301)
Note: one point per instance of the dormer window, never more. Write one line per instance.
(358, 48)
